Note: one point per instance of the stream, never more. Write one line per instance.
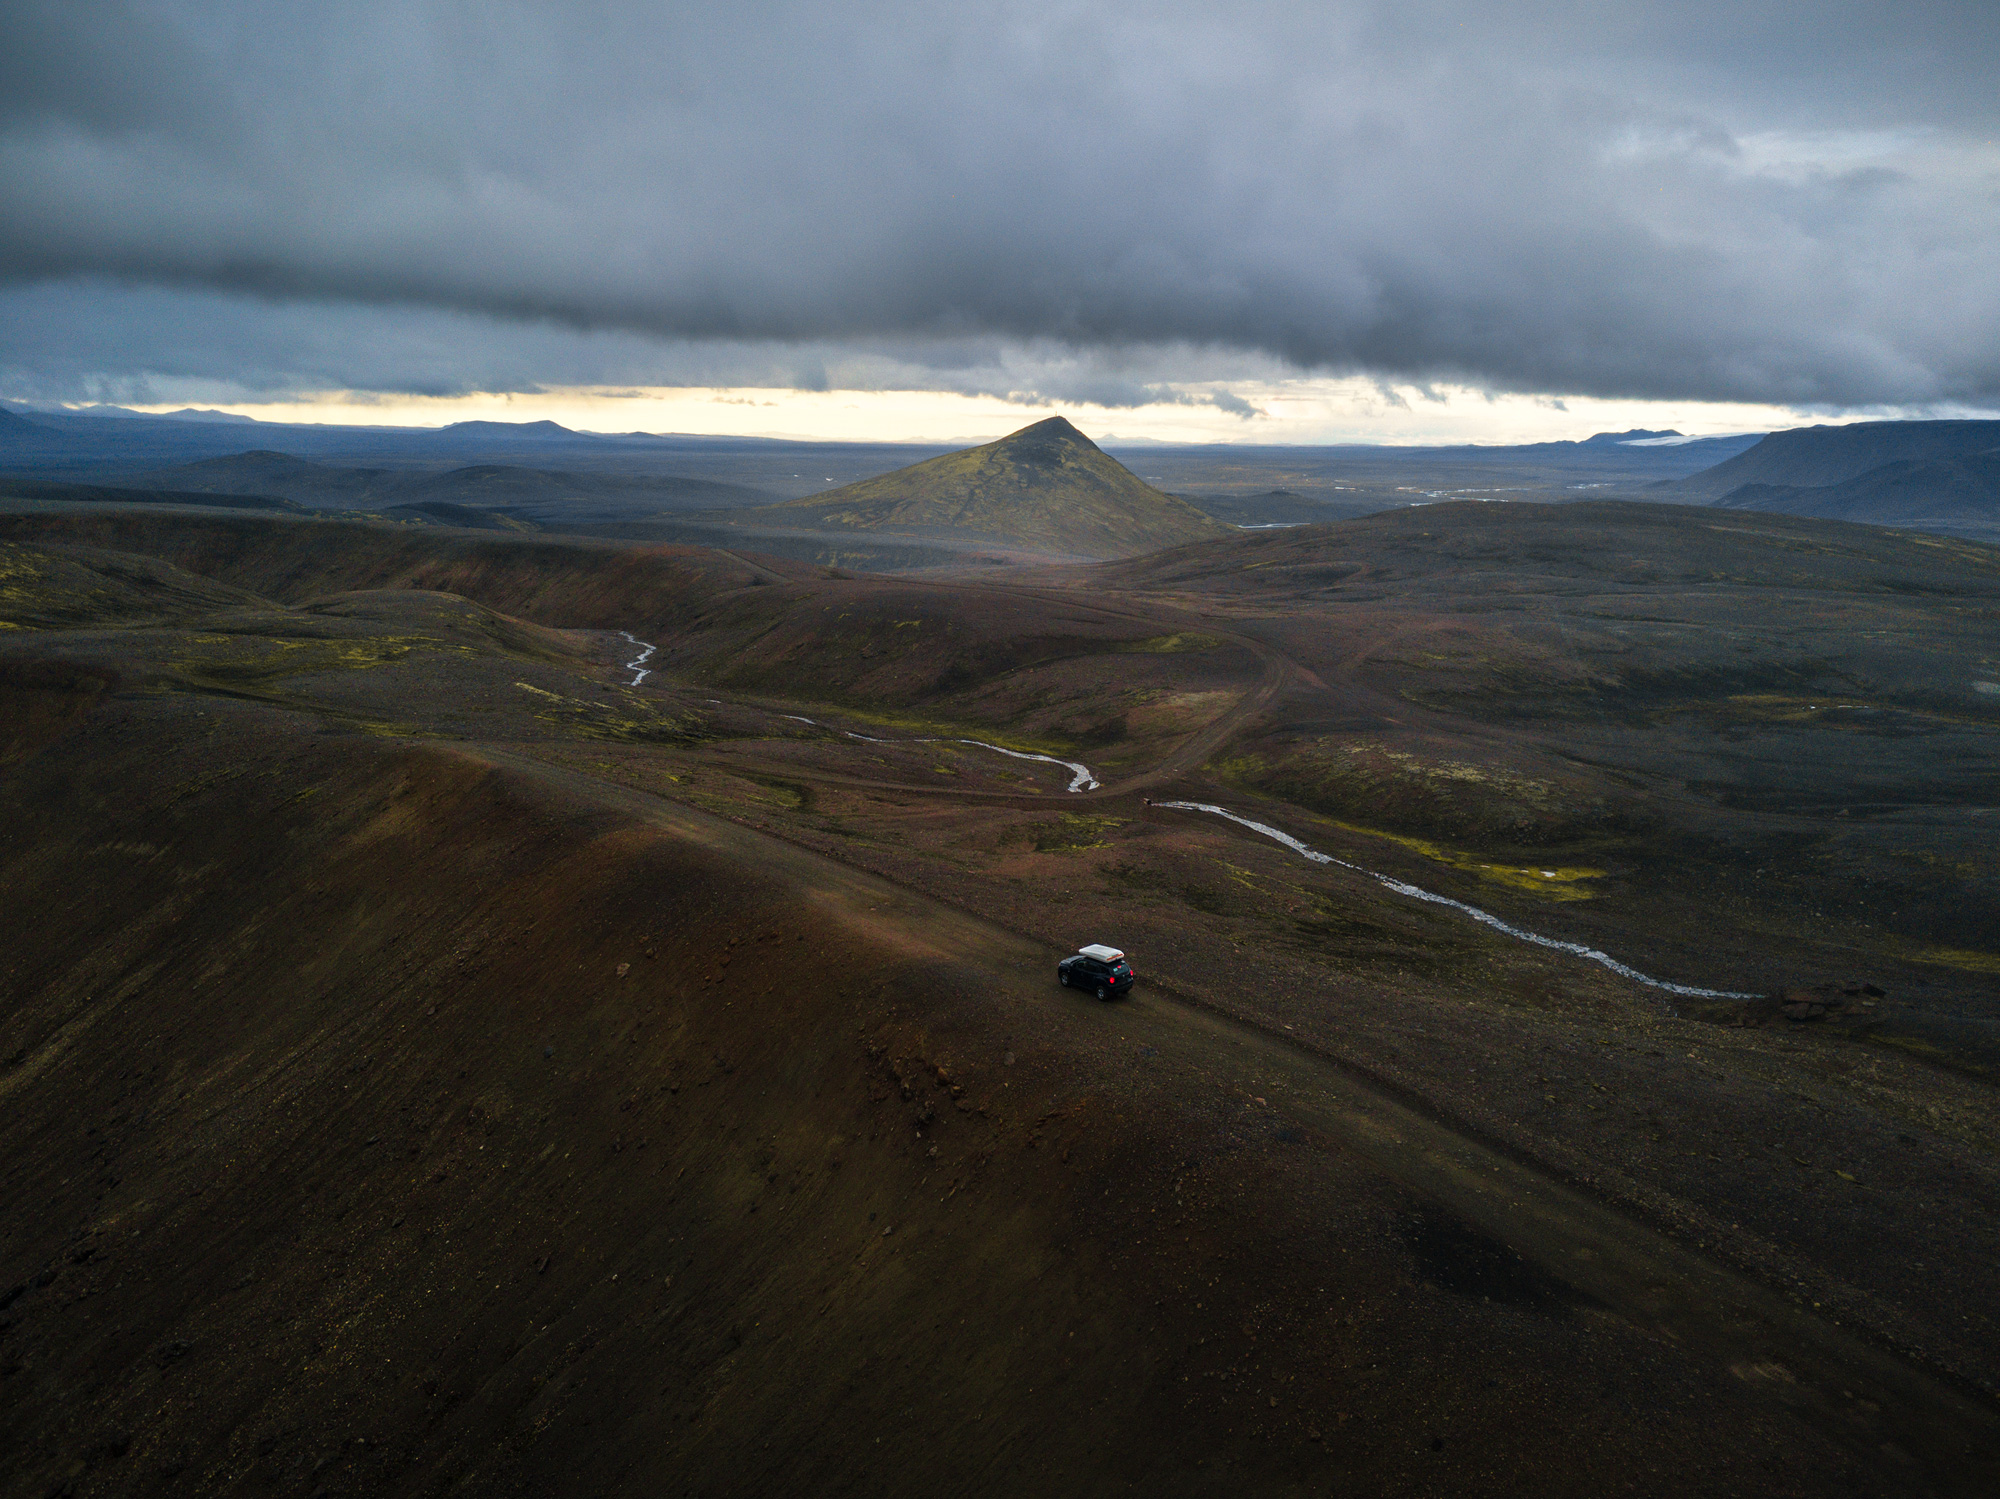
(1417, 892)
(1080, 779)
(637, 665)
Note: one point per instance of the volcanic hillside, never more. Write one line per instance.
(1817, 457)
(1045, 487)
(501, 1014)
(1952, 495)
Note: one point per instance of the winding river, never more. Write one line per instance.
(1080, 777)
(1417, 892)
(637, 665)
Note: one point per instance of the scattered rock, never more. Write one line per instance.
(1801, 1004)
(623, 969)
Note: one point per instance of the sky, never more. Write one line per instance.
(1426, 220)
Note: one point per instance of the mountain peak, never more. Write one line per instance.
(1044, 440)
(1049, 426)
(1635, 434)
(507, 429)
(1045, 487)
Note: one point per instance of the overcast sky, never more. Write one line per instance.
(1212, 210)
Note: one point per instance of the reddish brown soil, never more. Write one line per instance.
(353, 1163)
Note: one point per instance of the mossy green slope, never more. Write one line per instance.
(1046, 487)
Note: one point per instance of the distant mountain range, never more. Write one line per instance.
(185, 414)
(525, 493)
(1045, 488)
(510, 432)
(1940, 493)
(1934, 476)
(1815, 457)
(21, 437)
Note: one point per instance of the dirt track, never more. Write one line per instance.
(1219, 1178)
(1736, 1328)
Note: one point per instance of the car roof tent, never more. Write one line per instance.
(1102, 953)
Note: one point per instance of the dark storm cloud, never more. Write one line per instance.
(1754, 201)
(90, 340)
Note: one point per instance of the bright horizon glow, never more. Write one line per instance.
(1304, 412)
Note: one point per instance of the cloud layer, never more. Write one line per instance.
(1695, 201)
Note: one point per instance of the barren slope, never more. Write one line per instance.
(1046, 487)
(395, 1124)
(1359, 1193)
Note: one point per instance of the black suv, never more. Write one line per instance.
(1101, 969)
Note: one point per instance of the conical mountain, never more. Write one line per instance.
(1047, 488)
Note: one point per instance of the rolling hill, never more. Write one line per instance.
(21, 438)
(102, 494)
(1959, 494)
(439, 1058)
(264, 472)
(548, 496)
(1046, 487)
(1818, 457)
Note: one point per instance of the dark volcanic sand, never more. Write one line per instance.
(358, 1165)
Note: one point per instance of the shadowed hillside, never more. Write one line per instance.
(1814, 457)
(573, 584)
(547, 495)
(1960, 494)
(1047, 487)
(396, 1122)
(100, 494)
(442, 1052)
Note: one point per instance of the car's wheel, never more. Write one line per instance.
(1062, 977)
(1102, 992)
